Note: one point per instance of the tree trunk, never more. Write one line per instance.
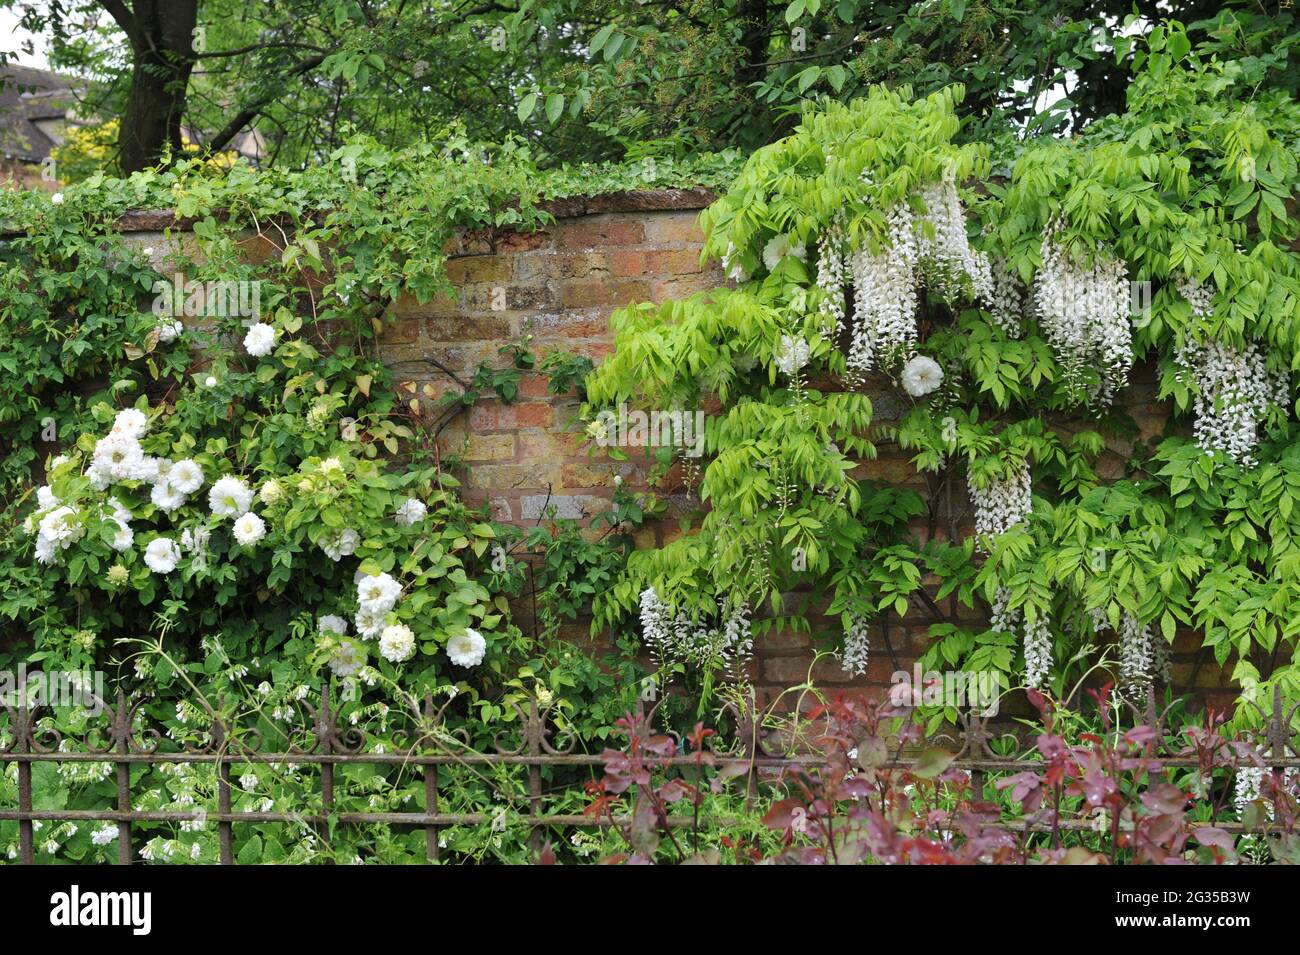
(161, 34)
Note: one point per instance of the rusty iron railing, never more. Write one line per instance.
(126, 745)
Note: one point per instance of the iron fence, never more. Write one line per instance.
(126, 745)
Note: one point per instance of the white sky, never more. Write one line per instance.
(12, 40)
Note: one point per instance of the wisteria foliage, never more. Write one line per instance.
(1143, 257)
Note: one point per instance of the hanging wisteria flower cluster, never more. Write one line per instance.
(1036, 638)
(1002, 503)
(832, 272)
(1084, 314)
(949, 265)
(1234, 392)
(884, 297)
(1007, 302)
(678, 639)
(856, 646)
(931, 250)
(1143, 655)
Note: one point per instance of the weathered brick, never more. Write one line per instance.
(456, 328)
(471, 269)
(504, 477)
(490, 447)
(784, 639)
(663, 228)
(571, 506)
(584, 294)
(600, 231)
(494, 416)
(551, 444)
(588, 475)
(578, 323)
(399, 330)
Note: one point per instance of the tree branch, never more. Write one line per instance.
(254, 109)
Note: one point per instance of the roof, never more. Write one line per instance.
(32, 103)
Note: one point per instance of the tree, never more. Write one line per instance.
(596, 79)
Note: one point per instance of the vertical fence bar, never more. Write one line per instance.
(27, 852)
(430, 791)
(534, 776)
(122, 769)
(225, 828)
(324, 723)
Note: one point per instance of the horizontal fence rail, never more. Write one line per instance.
(127, 745)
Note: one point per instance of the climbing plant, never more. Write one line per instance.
(1096, 345)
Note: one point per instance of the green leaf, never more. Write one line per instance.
(526, 106)
(554, 107)
(932, 762)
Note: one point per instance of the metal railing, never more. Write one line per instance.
(126, 744)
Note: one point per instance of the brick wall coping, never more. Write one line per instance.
(636, 200)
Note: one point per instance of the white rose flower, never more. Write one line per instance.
(169, 331)
(411, 512)
(186, 476)
(210, 381)
(131, 423)
(347, 659)
(332, 623)
(467, 649)
(124, 538)
(270, 492)
(249, 529)
(166, 496)
(46, 550)
(98, 477)
(162, 555)
(777, 248)
(260, 339)
(370, 623)
(61, 526)
(230, 496)
(57, 198)
(921, 376)
(118, 457)
(340, 544)
(397, 643)
(378, 593)
(45, 498)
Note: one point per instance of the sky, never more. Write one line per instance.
(13, 38)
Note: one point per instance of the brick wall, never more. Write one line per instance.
(560, 286)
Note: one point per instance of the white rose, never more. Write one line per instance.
(260, 339)
(921, 376)
(249, 529)
(162, 555)
(467, 649)
(397, 643)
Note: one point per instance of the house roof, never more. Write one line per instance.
(31, 101)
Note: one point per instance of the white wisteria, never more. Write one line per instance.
(676, 638)
(1084, 313)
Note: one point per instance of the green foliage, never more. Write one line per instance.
(1195, 179)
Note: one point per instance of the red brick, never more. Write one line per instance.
(584, 294)
(599, 231)
(670, 227)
